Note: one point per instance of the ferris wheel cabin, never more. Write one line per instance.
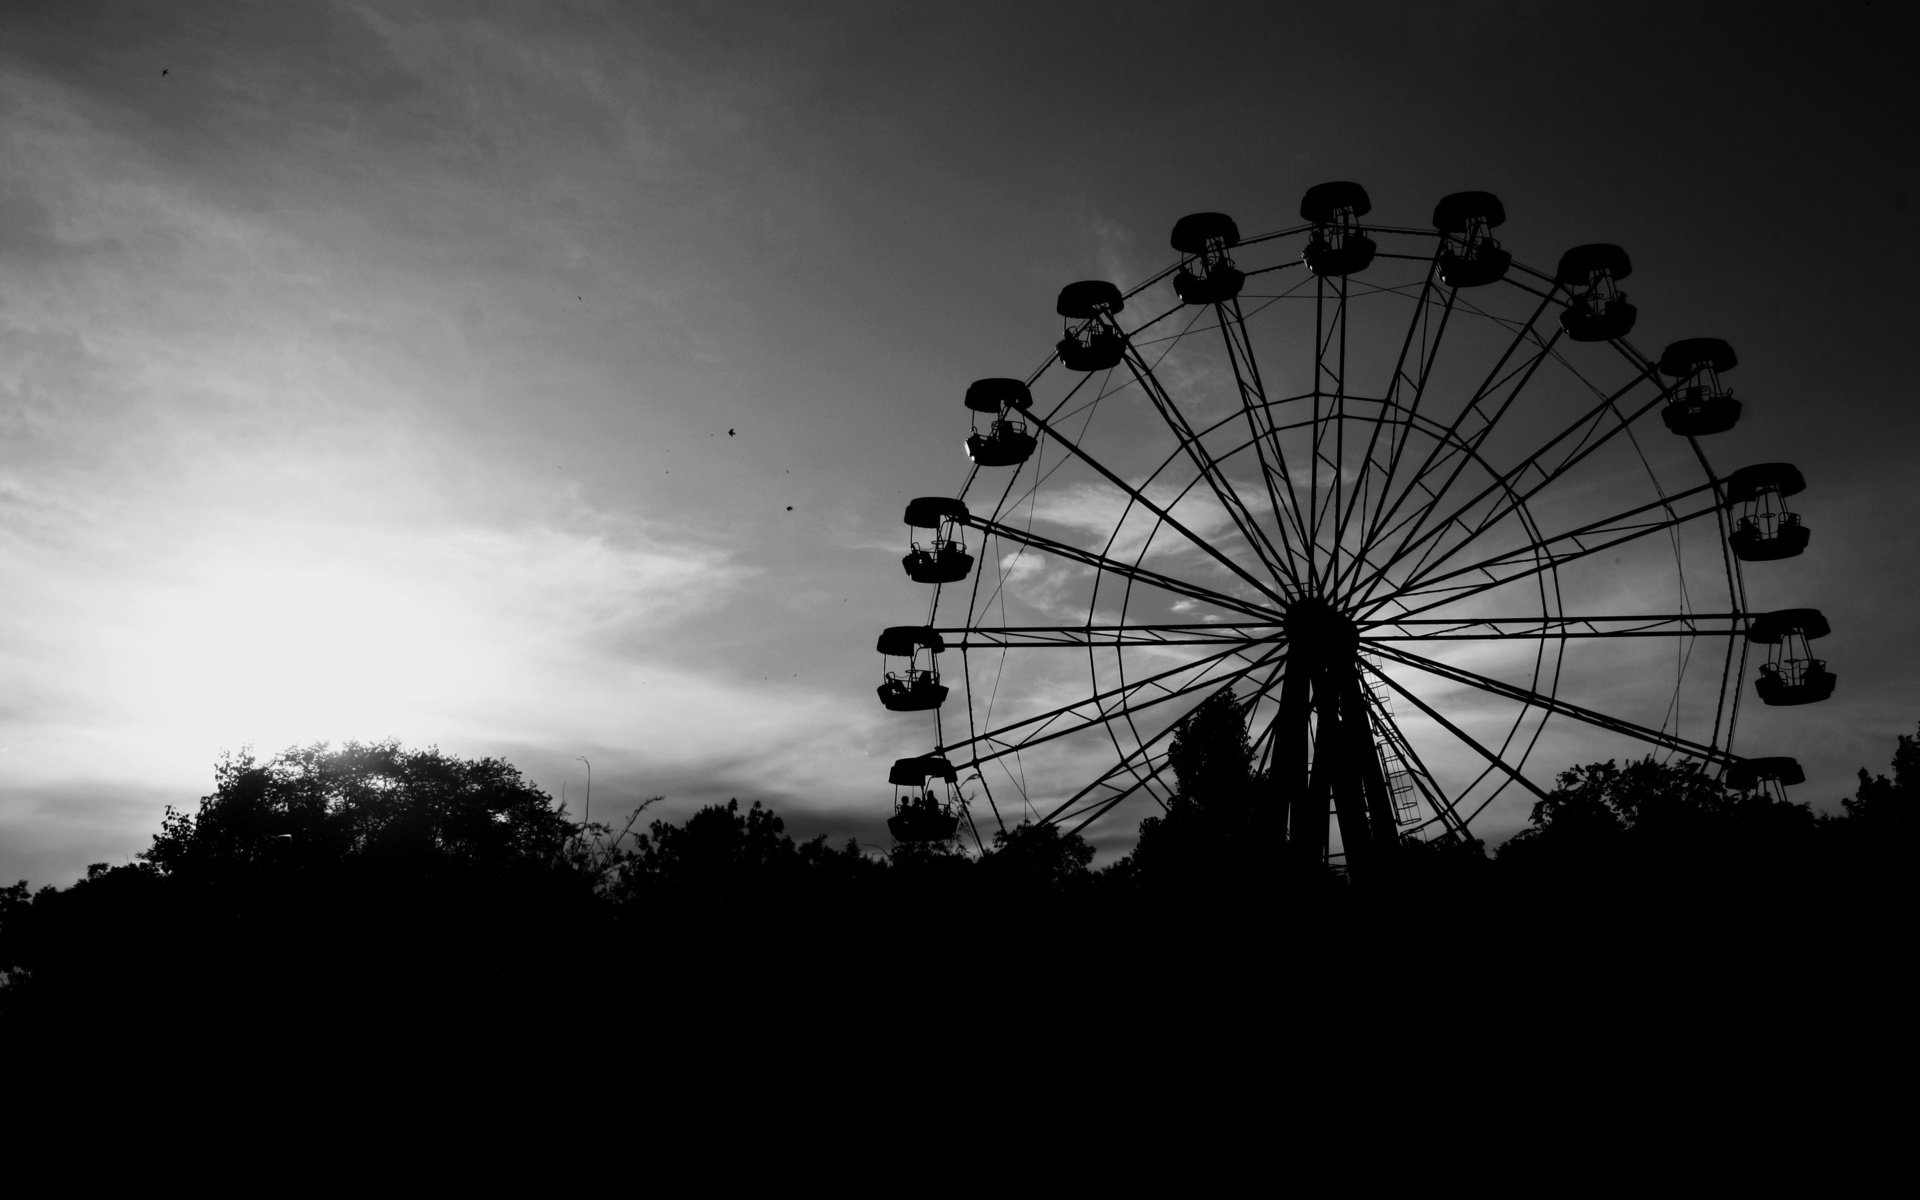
(1336, 246)
(1091, 342)
(1006, 443)
(1791, 674)
(1206, 274)
(920, 813)
(1766, 529)
(1698, 405)
(1598, 310)
(946, 560)
(1469, 257)
(914, 687)
(1771, 776)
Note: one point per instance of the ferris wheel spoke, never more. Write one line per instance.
(1423, 332)
(1374, 631)
(1138, 497)
(1114, 637)
(1314, 457)
(1455, 449)
(1291, 264)
(1125, 570)
(1142, 767)
(1596, 435)
(1144, 764)
(1550, 553)
(1640, 362)
(1552, 704)
(1196, 452)
(1108, 805)
(1494, 760)
(1330, 378)
(1365, 555)
(1467, 450)
(1396, 440)
(1096, 710)
(1266, 738)
(1253, 406)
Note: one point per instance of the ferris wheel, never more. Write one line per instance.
(1395, 491)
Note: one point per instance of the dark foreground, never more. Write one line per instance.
(453, 905)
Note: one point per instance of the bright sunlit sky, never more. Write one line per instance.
(546, 380)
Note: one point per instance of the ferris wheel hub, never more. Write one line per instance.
(1313, 624)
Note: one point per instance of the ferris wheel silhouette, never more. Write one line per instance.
(1395, 490)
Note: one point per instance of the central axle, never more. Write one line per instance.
(1325, 761)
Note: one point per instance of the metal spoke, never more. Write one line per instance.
(1450, 445)
(1541, 555)
(1038, 726)
(1196, 453)
(1100, 637)
(1426, 629)
(1337, 418)
(1139, 498)
(1512, 772)
(1600, 720)
(1129, 571)
(1319, 429)
(1403, 429)
(1253, 399)
(1506, 480)
(1429, 354)
(1131, 764)
(1461, 459)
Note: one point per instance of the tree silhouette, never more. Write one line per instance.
(1219, 833)
(722, 856)
(718, 853)
(1889, 807)
(330, 885)
(1648, 831)
(1039, 860)
(373, 806)
(317, 880)
(1870, 855)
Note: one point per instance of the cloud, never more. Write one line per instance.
(1111, 524)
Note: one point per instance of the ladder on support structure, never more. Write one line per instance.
(1393, 764)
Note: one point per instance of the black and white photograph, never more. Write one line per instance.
(647, 511)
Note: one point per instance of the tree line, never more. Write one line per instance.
(349, 880)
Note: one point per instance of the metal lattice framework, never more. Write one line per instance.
(1428, 535)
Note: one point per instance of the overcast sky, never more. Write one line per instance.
(546, 380)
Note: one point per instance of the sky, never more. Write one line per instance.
(546, 381)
